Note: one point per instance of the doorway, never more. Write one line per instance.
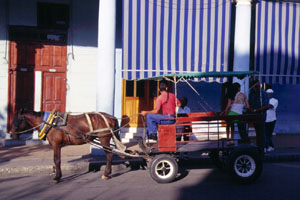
(137, 96)
(32, 50)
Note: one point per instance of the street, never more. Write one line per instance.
(278, 181)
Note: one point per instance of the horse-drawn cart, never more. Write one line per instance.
(205, 132)
(242, 159)
(192, 132)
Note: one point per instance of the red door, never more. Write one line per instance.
(53, 63)
(21, 78)
(54, 90)
(21, 93)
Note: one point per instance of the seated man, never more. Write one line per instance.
(165, 102)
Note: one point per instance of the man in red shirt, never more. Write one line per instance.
(165, 102)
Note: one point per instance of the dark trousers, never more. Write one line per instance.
(242, 131)
(260, 134)
(269, 131)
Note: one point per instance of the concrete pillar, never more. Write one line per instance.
(106, 56)
(242, 41)
(106, 61)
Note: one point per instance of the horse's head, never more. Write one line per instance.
(18, 124)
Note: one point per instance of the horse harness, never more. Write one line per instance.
(57, 120)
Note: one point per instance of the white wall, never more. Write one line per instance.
(3, 69)
(82, 56)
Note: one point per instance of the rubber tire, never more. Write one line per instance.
(215, 158)
(251, 161)
(163, 168)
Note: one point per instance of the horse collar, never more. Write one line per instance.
(46, 125)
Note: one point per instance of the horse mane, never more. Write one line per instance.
(37, 114)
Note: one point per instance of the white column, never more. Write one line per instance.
(242, 41)
(106, 61)
(106, 56)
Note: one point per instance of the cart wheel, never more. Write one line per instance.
(245, 165)
(215, 158)
(163, 168)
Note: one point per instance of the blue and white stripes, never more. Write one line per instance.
(167, 36)
(277, 50)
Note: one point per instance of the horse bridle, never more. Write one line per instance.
(17, 121)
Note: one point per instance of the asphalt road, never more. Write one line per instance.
(278, 181)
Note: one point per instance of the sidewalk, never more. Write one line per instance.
(28, 159)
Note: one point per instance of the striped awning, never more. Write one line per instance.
(277, 50)
(175, 36)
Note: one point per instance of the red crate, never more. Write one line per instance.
(167, 138)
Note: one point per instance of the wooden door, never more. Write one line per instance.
(21, 93)
(54, 90)
(21, 78)
(53, 65)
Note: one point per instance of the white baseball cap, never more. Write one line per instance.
(270, 91)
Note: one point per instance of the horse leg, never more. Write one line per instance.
(109, 155)
(57, 162)
(107, 171)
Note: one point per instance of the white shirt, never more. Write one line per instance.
(238, 103)
(271, 112)
(184, 110)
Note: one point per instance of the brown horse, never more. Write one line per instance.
(79, 129)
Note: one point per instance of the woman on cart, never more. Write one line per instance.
(237, 102)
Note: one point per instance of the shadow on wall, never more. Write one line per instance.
(288, 118)
(3, 120)
(83, 30)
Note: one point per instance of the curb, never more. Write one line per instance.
(13, 143)
(32, 166)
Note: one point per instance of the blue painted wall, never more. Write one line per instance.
(210, 96)
(288, 111)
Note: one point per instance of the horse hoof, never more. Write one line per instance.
(55, 181)
(105, 177)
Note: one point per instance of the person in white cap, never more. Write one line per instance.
(270, 120)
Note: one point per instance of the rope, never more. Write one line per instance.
(20, 132)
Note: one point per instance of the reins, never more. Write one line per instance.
(20, 132)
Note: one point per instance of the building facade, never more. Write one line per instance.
(75, 56)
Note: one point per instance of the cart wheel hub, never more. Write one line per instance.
(244, 166)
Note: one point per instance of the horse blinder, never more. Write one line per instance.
(17, 122)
